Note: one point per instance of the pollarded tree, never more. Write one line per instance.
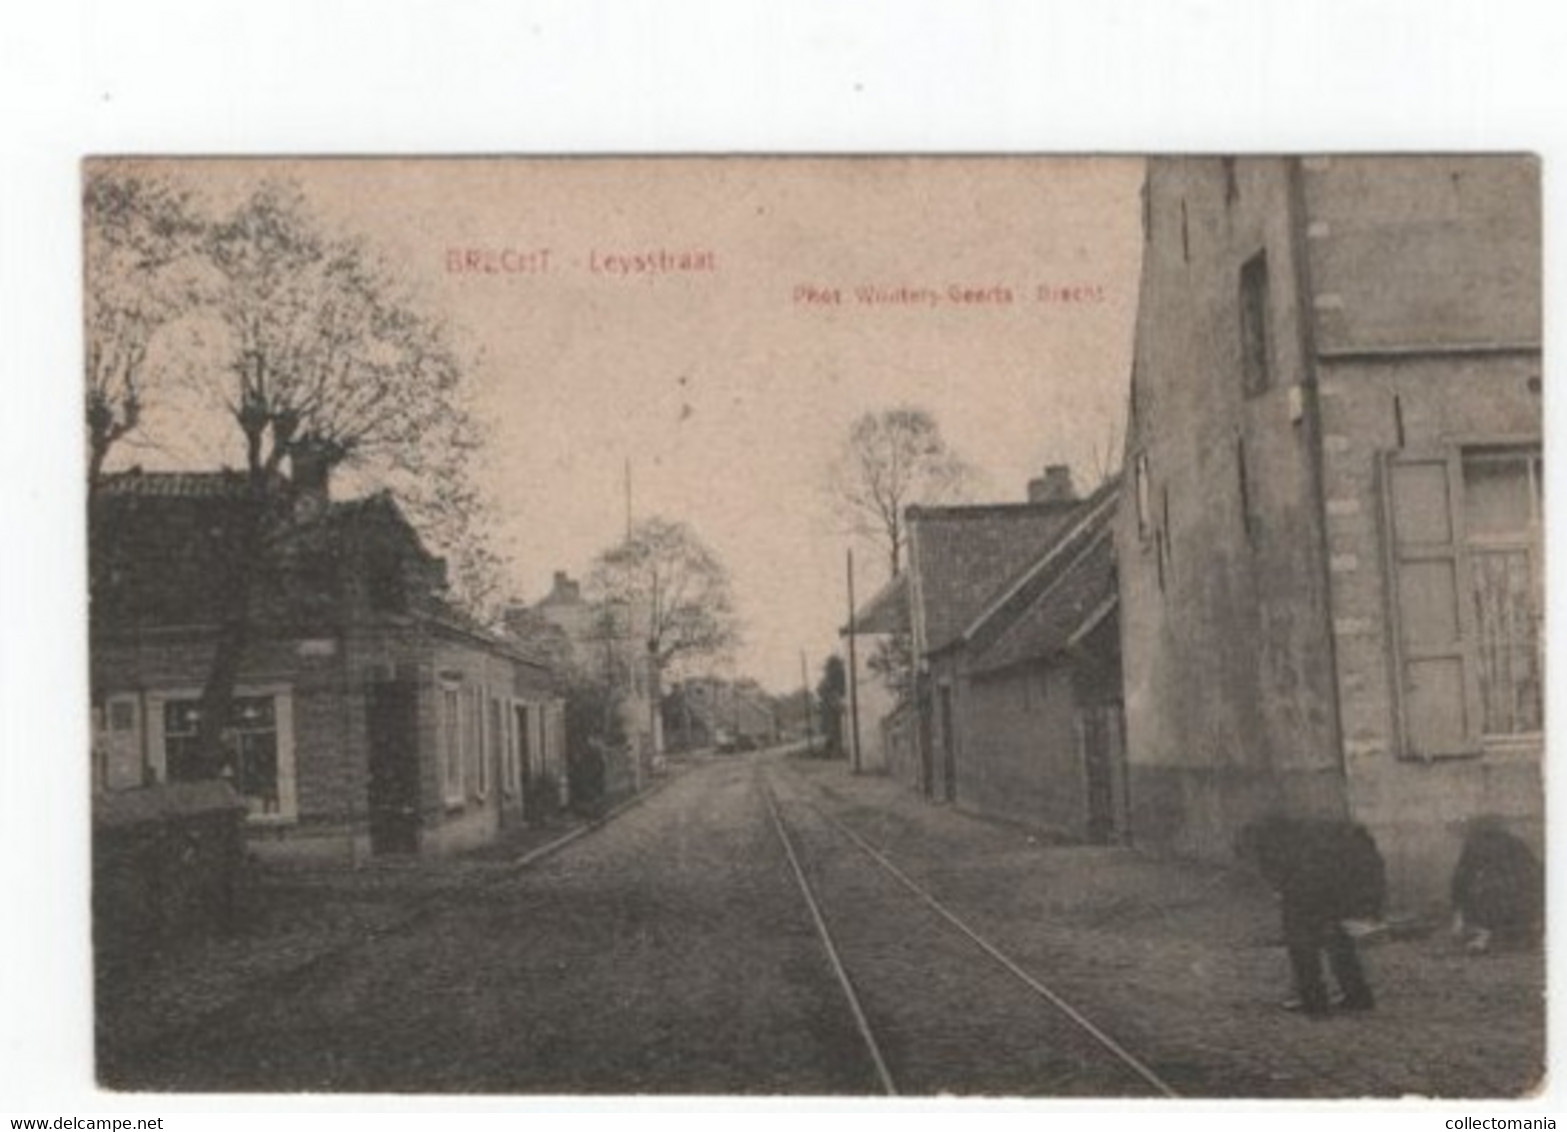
(141, 271)
(320, 356)
(890, 460)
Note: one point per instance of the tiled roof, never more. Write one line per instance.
(158, 538)
(887, 611)
(158, 541)
(1058, 605)
(172, 485)
(962, 555)
(1008, 599)
(440, 612)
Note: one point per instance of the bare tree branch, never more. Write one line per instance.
(139, 242)
(890, 460)
(675, 592)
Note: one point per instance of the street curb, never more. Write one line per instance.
(421, 910)
(549, 848)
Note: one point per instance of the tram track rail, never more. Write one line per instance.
(1133, 1066)
(861, 1022)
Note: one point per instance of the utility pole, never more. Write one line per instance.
(805, 690)
(854, 680)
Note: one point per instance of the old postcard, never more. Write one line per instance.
(1011, 626)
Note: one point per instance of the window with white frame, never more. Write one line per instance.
(472, 735)
(257, 750)
(451, 743)
(1467, 592)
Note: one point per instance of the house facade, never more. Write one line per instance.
(1041, 737)
(1010, 611)
(960, 559)
(1330, 550)
(367, 716)
(608, 646)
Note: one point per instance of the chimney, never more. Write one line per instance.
(1055, 486)
(310, 467)
(565, 591)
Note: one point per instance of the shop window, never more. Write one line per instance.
(250, 748)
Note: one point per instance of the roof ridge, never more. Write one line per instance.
(981, 510)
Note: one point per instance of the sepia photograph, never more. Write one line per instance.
(1013, 626)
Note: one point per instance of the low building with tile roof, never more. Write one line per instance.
(1038, 734)
(1010, 613)
(370, 715)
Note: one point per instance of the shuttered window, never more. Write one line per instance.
(1464, 538)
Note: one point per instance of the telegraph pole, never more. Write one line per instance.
(854, 679)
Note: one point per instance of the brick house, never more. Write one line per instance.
(369, 715)
(1010, 610)
(960, 558)
(1330, 555)
(1040, 738)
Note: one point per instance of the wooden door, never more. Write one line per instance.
(392, 709)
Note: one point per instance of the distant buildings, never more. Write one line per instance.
(368, 716)
(704, 711)
(1331, 544)
(608, 644)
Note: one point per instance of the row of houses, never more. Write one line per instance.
(1317, 587)
(369, 715)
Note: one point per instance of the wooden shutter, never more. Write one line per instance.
(1437, 694)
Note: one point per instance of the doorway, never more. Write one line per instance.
(1100, 732)
(392, 710)
(949, 745)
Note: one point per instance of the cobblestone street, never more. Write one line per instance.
(671, 952)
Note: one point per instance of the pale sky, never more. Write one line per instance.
(725, 387)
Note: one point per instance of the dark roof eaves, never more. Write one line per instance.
(1098, 507)
(1078, 561)
(988, 510)
(479, 635)
(1090, 621)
